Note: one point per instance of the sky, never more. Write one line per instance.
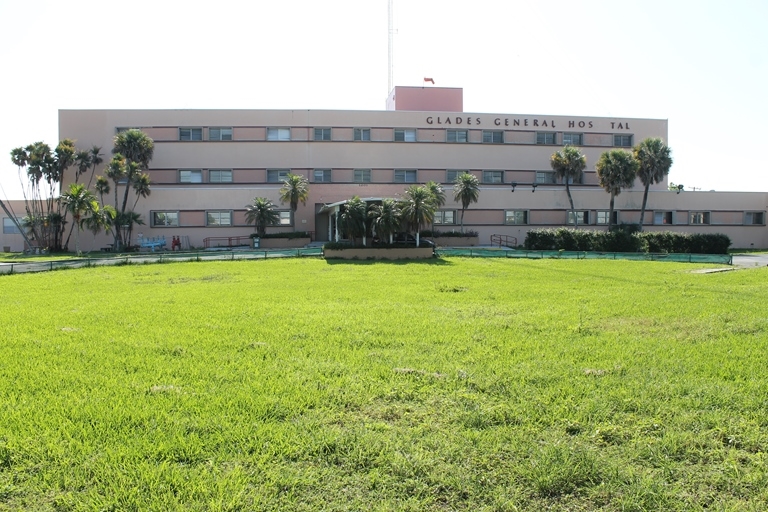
(700, 64)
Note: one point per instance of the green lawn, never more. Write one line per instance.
(456, 384)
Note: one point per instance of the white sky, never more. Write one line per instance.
(701, 64)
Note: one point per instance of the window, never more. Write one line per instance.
(603, 215)
(220, 176)
(191, 176)
(405, 176)
(456, 135)
(493, 176)
(190, 134)
(443, 217)
(278, 134)
(9, 228)
(405, 135)
(582, 215)
(622, 141)
(218, 218)
(698, 217)
(516, 217)
(219, 133)
(546, 177)
(322, 175)
(286, 219)
(277, 175)
(573, 139)
(662, 218)
(362, 134)
(571, 180)
(452, 175)
(121, 129)
(545, 137)
(754, 218)
(322, 134)
(362, 175)
(493, 137)
(160, 219)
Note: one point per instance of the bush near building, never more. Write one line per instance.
(625, 239)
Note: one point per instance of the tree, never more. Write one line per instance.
(137, 148)
(569, 165)
(353, 219)
(386, 218)
(41, 189)
(654, 159)
(79, 201)
(141, 186)
(616, 170)
(83, 161)
(295, 188)
(418, 208)
(101, 187)
(96, 160)
(466, 190)
(438, 198)
(262, 213)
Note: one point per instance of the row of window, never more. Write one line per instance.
(400, 135)
(659, 217)
(359, 176)
(213, 218)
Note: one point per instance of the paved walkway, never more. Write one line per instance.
(747, 260)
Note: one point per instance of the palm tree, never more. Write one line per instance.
(141, 185)
(96, 160)
(418, 208)
(102, 187)
(100, 220)
(655, 159)
(262, 213)
(466, 190)
(79, 201)
(83, 161)
(569, 164)
(295, 188)
(616, 170)
(137, 148)
(386, 218)
(353, 219)
(438, 197)
(116, 171)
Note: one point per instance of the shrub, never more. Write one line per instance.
(625, 238)
(447, 234)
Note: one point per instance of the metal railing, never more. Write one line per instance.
(504, 241)
(231, 241)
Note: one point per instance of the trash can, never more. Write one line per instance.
(256, 242)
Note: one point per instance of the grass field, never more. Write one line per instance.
(456, 384)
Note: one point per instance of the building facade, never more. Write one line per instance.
(209, 164)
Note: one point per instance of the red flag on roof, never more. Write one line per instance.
(429, 80)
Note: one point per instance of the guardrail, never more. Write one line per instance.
(232, 241)
(504, 240)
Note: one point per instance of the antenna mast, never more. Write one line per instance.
(391, 46)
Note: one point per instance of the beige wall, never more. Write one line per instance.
(249, 156)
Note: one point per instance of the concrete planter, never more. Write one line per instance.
(456, 241)
(283, 243)
(404, 253)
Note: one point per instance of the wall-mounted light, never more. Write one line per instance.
(533, 187)
(679, 188)
(514, 184)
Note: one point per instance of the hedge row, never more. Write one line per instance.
(286, 234)
(441, 234)
(625, 240)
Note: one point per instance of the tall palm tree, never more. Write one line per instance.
(262, 213)
(616, 171)
(116, 171)
(569, 165)
(466, 190)
(141, 185)
(96, 160)
(654, 159)
(438, 197)
(100, 220)
(418, 208)
(79, 201)
(137, 148)
(102, 187)
(386, 218)
(353, 219)
(295, 188)
(83, 162)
